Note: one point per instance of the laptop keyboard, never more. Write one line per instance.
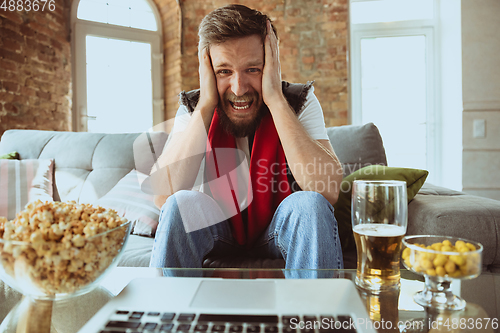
(153, 322)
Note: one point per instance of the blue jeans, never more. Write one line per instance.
(303, 231)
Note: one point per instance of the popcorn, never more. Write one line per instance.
(60, 247)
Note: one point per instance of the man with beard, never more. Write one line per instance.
(259, 149)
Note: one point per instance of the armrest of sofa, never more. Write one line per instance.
(440, 211)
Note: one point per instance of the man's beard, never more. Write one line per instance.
(241, 130)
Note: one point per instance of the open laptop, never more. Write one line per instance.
(209, 305)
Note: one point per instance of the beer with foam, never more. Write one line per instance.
(379, 217)
(379, 249)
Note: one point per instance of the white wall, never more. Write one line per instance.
(481, 96)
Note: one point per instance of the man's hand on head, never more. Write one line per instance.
(271, 78)
(209, 96)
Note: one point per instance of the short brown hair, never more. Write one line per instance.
(231, 21)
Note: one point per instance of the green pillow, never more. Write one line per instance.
(414, 178)
(10, 156)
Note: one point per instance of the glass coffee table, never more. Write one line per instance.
(390, 311)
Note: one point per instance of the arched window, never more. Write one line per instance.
(117, 66)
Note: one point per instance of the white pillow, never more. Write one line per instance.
(24, 181)
(129, 201)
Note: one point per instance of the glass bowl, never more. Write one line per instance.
(66, 264)
(441, 259)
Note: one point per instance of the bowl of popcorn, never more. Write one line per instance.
(54, 250)
(441, 259)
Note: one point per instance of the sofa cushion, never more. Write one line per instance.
(414, 179)
(137, 251)
(357, 146)
(129, 200)
(22, 182)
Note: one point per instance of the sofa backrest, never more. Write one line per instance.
(87, 165)
(357, 146)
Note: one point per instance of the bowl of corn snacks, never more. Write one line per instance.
(441, 259)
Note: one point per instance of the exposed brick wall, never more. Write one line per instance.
(35, 56)
(35, 69)
(313, 46)
(172, 77)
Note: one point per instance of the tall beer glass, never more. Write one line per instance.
(379, 218)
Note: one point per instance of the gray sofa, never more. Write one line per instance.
(98, 161)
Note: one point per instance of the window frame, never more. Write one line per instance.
(427, 28)
(82, 28)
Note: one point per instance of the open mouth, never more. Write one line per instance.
(241, 105)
